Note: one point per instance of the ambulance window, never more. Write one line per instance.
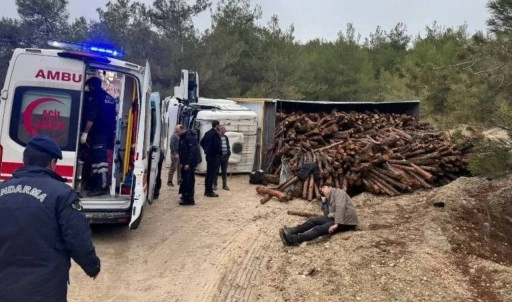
(50, 111)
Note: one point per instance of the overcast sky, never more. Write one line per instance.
(325, 18)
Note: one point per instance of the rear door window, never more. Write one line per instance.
(50, 111)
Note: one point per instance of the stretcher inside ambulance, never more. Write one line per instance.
(44, 94)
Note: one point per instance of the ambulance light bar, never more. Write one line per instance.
(95, 49)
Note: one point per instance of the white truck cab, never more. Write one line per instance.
(197, 113)
(44, 94)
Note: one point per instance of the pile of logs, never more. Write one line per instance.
(380, 153)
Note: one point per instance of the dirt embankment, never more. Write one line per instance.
(228, 249)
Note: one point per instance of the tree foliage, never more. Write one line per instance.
(43, 20)
(501, 16)
(457, 77)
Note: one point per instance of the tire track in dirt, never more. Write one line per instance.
(239, 288)
(238, 263)
(242, 263)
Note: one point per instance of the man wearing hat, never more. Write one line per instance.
(41, 228)
(101, 126)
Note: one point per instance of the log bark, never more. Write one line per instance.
(303, 214)
(273, 192)
(381, 153)
(290, 181)
(424, 174)
(390, 181)
(266, 198)
(311, 187)
(384, 186)
(271, 178)
(328, 147)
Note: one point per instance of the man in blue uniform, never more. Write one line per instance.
(101, 125)
(41, 228)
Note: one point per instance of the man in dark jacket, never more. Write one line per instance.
(341, 217)
(41, 228)
(211, 145)
(101, 125)
(224, 159)
(189, 159)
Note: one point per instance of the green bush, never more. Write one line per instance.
(491, 158)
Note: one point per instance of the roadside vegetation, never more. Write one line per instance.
(459, 77)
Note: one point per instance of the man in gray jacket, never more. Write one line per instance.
(341, 217)
(175, 159)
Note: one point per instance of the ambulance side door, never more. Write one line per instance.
(155, 144)
(140, 190)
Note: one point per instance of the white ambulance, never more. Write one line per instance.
(44, 93)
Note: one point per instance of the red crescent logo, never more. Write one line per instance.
(29, 111)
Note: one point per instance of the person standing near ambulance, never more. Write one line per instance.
(189, 159)
(175, 159)
(41, 228)
(101, 125)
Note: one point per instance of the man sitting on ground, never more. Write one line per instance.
(341, 217)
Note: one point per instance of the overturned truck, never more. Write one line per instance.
(381, 148)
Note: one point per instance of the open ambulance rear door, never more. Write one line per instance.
(155, 144)
(140, 190)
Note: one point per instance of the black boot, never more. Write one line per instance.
(288, 239)
(284, 238)
(289, 231)
(294, 239)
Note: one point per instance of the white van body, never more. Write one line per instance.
(242, 130)
(43, 94)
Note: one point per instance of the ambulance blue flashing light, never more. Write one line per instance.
(96, 49)
(108, 51)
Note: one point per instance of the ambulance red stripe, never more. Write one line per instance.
(10, 167)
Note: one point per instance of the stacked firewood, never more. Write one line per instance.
(380, 153)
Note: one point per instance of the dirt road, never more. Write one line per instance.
(228, 249)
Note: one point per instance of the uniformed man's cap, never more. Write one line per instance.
(93, 81)
(45, 144)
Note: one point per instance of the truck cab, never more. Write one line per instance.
(197, 113)
(44, 94)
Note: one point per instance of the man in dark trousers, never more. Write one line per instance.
(190, 157)
(341, 217)
(41, 228)
(101, 125)
(211, 145)
(224, 158)
(158, 181)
